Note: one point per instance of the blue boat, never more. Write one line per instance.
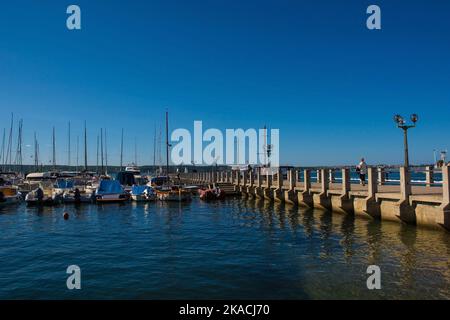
(111, 191)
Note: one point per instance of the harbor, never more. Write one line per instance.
(223, 151)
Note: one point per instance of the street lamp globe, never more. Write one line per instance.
(414, 118)
(399, 119)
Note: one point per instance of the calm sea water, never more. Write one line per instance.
(232, 249)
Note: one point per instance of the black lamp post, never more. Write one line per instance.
(401, 123)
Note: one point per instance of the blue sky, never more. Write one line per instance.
(310, 68)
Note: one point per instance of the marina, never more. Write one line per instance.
(224, 151)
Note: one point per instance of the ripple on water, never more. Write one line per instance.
(231, 249)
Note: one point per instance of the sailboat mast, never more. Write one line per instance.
(68, 147)
(265, 145)
(135, 151)
(167, 143)
(121, 151)
(78, 150)
(9, 149)
(54, 149)
(18, 159)
(101, 148)
(36, 161)
(85, 148)
(2, 158)
(154, 149)
(106, 153)
(98, 137)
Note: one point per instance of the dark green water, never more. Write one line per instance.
(232, 249)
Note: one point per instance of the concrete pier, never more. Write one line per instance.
(427, 204)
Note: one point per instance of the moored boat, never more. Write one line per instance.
(43, 195)
(211, 194)
(143, 193)
(173, 193)
(9, 195)
(111, 191)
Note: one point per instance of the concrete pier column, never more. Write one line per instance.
(369, 206)
(258, 192)
(305, 198)
(331, 176)
(291, 178)
(290, 194)
(345, 182)
(243, 186)
(306, 180)
(321, 200)
(372, 183)
(268, 179)
(258, 177)
(318, 176)
(251, 184)
(279, 178)
(297, 177)
(244, 178)
(267, 190)
(381, 176)
(405, 183)
(429, 175)
(444, 210)
(324, 183)
(278, 192)
(403, 208)
(342, 203)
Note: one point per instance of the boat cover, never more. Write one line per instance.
(109, 187)
(138, 190)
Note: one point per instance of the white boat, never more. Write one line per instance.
(134, 169)
(43, 195)
(143, 193)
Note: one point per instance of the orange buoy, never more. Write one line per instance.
(66, 216)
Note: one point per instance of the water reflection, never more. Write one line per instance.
(236, 248)
(410, 256)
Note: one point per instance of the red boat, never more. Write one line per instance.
(211, 194)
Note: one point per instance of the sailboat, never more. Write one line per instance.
(168, 191)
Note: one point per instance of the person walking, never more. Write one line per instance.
(362, 169)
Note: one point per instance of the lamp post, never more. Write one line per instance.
(401, 123)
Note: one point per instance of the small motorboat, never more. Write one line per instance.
(173, 193)
(43, 195)
(78, 196)
(111, 191)
(143, 193)
(211, 194)
(9, 195)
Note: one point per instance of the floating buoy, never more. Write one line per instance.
(66, 216)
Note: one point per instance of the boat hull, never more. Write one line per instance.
(142, 198)
(112, 198)
(174, 196)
